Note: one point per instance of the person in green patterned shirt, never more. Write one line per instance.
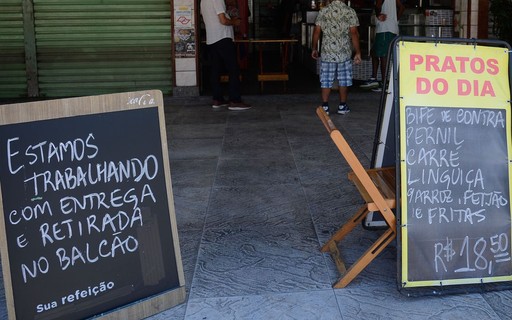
(337, 24)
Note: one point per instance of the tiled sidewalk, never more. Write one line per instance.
(257, 192)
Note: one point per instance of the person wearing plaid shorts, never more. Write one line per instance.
(337, 24)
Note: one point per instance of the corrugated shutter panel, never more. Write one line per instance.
(13, 79)
(88, 47)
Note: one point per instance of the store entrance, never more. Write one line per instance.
(299, 79)
(294, 19)
(267, 20)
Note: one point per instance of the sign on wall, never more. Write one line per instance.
(455, 164)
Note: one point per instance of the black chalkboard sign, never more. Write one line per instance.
(453, 129)
(456, 174)
(86, 210)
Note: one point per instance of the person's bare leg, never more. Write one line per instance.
(343, 93)
(383, 66)
(325, 94)
(375, 66)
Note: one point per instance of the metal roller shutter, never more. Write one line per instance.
(88, 47)
(13, 79)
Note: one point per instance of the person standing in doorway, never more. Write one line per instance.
(222, 53)
(387, 14)
(337, 23)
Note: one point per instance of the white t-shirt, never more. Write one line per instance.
(391, 22)
(215, 31)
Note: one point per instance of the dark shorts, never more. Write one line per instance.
(382, 43)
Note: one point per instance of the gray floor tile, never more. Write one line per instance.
(190, 240)
(255, 117)
(332, 203)
(245, 261)
(304, 125)
(253, 142)
(316, 305)
(193, 172)
(190, 205)
(356, 123)
(191, 131)
(388, 303)
(268, 171)
(197, 115)
(501, 302)
(263, 206)
(316, 172)
(182, 149)
(319, 148)
(176, 313)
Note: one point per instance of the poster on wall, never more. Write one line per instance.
(184, 34)
(184, 43)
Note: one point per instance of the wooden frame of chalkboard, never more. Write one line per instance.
(455, 161)
(88, 227)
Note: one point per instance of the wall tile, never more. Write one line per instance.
(186, 78)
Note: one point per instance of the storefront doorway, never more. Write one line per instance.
(271, 19)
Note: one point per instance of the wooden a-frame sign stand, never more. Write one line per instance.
(142, 274)
(377, 188)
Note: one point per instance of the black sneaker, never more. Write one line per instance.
(343, 109)
(326, 109)
(370, 83)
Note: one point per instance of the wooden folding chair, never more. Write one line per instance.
(377, 188)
